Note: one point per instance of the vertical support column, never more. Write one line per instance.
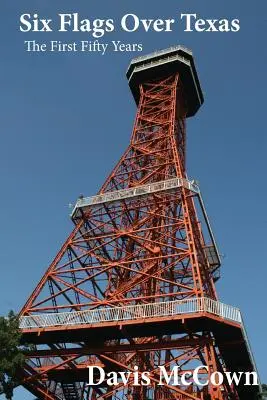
(214, 391)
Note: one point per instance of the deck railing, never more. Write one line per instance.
(132, 312)
(137, 191)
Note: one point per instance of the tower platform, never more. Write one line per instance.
(157, 319)
(163, 63)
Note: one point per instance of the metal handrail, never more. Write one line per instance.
(132, 312)
(137, 191)
(160, 53)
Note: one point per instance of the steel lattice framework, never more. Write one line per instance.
(144, 247)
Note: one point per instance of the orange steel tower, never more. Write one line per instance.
(133, 284)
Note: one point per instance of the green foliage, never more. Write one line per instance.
(263, 395)
(11, 355)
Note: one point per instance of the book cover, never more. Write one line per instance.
(133, 158)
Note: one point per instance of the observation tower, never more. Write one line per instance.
(134, 282)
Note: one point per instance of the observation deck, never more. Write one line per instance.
(141, 190)
(223, 320)
(131, 313)
(164, 63)
(170, 185)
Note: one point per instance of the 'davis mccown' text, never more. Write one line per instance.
(98, 27)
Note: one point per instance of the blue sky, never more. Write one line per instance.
(65, 119)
